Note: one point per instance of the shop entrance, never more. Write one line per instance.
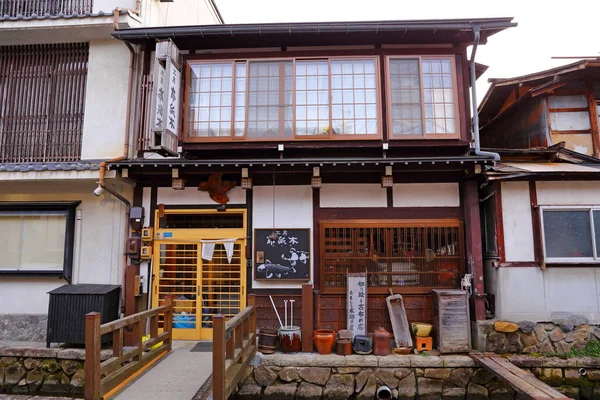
(202, 285)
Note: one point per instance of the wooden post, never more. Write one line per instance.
(252, 302)
(219, 357)
(138, 330)
(308, 321)
(92, 356)
(168, 325)
(118, 342)
(473, 246)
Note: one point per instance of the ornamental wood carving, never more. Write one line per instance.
(217, 188)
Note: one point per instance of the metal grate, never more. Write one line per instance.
(42, 95)
(403, 256)
(28, 8)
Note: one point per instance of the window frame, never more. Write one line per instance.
(329, 137)
(571, 260)
(69, 209)
(388, 100)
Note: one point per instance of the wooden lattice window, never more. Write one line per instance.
(423, 99)
(42, 96)
(275, 99)
(414, 255)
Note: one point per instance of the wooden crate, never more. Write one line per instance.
(451, 322)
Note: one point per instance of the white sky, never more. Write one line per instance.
(546, 28)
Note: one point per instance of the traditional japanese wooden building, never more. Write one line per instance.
(300, 153)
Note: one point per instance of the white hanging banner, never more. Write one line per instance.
(208, 248)
(356, 302)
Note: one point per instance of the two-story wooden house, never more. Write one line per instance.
(64, 109)
(542, 202)
(340, 148)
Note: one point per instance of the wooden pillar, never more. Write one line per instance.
(473, 247)
(130, 301)
(219, 357)
(92, 356)
(168, 324)
(308, 317)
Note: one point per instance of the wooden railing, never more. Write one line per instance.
(102, 377)
(234, 346)
(27, 8)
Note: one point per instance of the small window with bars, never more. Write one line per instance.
(403, 254)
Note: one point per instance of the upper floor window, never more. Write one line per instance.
(283, 99)
(422, 98)
(571, 234)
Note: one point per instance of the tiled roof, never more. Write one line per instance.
(51, 166)
(21, 17)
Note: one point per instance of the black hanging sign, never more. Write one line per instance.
(282, 254)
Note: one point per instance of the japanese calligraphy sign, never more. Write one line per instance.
(159, 98)
(282, 254)
(172, 111)
(356, 304)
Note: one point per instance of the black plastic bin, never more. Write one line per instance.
(70, 303)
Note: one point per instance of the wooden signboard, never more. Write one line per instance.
(282, 256)
(356, 302)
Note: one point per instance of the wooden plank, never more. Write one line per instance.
(92, 356)
(307, 317)
(518, 379)
(120, 323)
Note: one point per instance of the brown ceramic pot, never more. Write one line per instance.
(381, 342)
(324, 340)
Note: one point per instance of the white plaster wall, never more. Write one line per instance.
(179, 12)
(107, 6)
(518, 229)
(293, 209)
(426, 195)
(568, 193)
(193, 196)
(105, 100)
(529, 292)
(353, 195)
(98, 255)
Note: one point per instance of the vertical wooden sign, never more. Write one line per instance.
(356, 304)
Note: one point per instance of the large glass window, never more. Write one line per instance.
(36, 238)
(283, 99)
(422, 94)
(571, 234)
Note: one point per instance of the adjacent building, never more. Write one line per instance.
(65, 107)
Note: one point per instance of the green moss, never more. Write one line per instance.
(591, 349)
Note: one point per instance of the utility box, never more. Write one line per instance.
(70, 303)
(451, 321)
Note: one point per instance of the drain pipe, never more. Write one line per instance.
(383, 393)
(477, 149)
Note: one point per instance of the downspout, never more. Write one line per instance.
(101, 182)
(477, 148)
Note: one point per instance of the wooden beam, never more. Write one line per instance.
(499, 221)
(473, 247)
(538, 248)
(308, 322)
(593, 107)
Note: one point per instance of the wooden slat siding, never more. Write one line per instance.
(144, 113)
(27, 8)
(42, 104)
(451, 322)
(102, 377)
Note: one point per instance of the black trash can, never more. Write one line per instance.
(69, 304)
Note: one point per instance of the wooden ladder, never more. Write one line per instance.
(523, 382)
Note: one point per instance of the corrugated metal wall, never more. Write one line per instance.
(42, 96)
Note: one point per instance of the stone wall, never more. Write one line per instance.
(23, 328)
(332, 377)
(43, 371)
(557, 337)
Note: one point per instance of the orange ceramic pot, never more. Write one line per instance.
(324, 340)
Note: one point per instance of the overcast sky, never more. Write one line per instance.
(545, 29)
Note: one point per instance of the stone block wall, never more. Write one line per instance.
(556, 337)
(23, 328)
(332, 377)
(57, 372)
